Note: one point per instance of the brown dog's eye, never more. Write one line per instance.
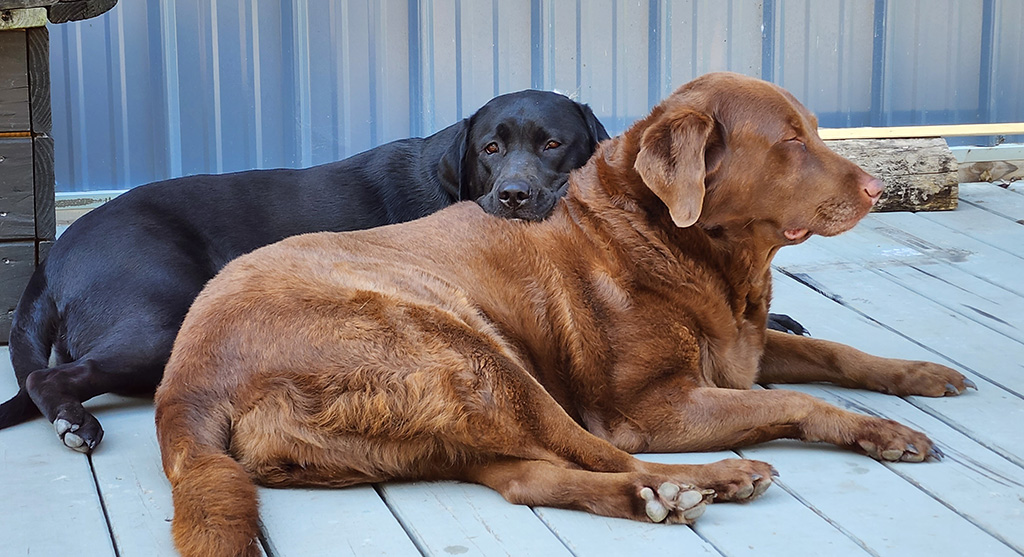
(552, 145)
(491, 148)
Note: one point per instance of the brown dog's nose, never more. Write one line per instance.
(873, 189)
(514, 194)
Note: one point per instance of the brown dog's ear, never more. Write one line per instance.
(671, 162)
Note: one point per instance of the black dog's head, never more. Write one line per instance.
(513, 156)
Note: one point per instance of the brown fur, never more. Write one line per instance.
(530, 357)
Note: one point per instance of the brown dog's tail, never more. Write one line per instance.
(215, 507)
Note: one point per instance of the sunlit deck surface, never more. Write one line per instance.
(947, 287)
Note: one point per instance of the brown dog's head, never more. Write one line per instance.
(728, 151)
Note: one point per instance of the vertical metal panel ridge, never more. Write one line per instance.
(218, 123)
(987, 47)
(878, 63)
(458, 59)
(169, 33)
(536, 45)
(124, 144)
(416, 100)
(654, 53)
(768, 40)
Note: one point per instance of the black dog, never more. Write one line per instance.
(100, 315)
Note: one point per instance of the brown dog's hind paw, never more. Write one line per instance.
(675, 504)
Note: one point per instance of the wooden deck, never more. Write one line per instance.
(947, 287)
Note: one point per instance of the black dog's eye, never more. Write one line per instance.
(552, 145)
(491, 148)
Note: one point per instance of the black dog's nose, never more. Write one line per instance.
(514, 194)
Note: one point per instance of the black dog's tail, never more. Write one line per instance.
(32, 335)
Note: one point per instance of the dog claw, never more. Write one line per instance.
(775, 473)
(760, 488)
(970, 384)
(951, 389)
(936, 453)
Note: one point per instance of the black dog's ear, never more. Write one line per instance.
(449, 169)
(597, 131)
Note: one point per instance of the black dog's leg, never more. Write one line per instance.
(786, 324)
(58, 392)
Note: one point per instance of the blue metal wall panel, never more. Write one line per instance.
(162, 88)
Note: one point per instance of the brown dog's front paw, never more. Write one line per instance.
(892, 441)
(675, 504)
(740, 480)
(929, 379)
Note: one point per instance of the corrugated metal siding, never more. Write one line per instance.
(164, 88)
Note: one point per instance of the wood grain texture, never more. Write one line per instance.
(42, 250)
(39, 79)
(43, 185)
(17, 196)
(919, 174)
(17, 261)
(14, 112)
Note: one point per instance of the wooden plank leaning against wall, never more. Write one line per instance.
(27, 222)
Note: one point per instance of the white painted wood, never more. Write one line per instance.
(135, 491)
(994, 199)
(974, 480)
(766, 526)
(50, 505)
(871, 503)
(349, 521)
(454, 518)
(950, 246)
(1004, 152)
(991, 414)
(944, 130)
(984, 226)
(954, 288)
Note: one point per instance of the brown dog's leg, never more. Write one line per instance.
(795, 359)
(631, 495)
(714, 419)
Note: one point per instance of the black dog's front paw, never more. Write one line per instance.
(78, 429)
(786, 324)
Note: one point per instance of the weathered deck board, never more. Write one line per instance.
(977, 482)
(50, 504)
(993, 413)
(945, 287)
(451, 518)
(350, 521)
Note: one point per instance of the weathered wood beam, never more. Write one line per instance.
(919, 174)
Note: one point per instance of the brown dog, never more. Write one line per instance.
(530, 357)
